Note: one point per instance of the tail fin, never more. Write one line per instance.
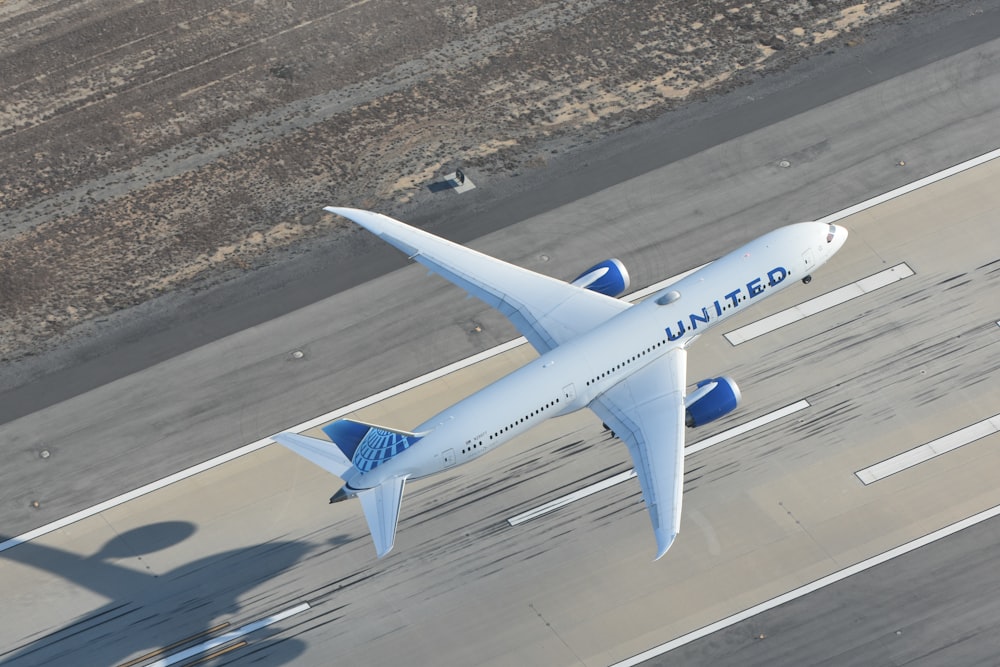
(367, 445)
(381, 507)
(353, 443)
(364, 447)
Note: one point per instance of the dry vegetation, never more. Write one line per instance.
(141, 150)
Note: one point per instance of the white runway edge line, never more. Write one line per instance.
(254, 446)
(811, 587)
(596, 487)
(216, 642)
(927, 451)
(819, 304)
(911, 187)
(486, 354)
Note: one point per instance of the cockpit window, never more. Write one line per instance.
(831, 233)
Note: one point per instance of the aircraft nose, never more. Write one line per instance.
(836, 235)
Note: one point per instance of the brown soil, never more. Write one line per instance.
(142, 150)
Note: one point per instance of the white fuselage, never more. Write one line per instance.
(571, 376)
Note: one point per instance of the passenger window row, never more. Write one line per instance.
(626, 362)
(497, 434)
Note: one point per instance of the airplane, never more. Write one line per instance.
(626, 362)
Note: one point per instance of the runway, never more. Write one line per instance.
(871, 615)
(765, 512)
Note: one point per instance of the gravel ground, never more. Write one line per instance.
(143, 152)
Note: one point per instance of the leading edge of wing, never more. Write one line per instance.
(547, 311)
(646, 411)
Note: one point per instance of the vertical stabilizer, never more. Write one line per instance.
(381, 507)
(352, 444)
(367, 445)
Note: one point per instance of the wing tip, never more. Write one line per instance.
(346, 212)
(377, 223)
(664, 541)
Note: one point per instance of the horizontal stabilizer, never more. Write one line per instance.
(381, 507)
(322, 453)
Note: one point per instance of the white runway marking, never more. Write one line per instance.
(811, 587)
(254, 446)
(748, 426)
(216, 642)
(819, 304)
(553, 505)
(927, 451)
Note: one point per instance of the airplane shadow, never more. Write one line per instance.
(146, 611)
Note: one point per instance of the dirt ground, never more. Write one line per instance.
(145, 145)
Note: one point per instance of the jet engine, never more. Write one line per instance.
(711, 399)
(610, 278)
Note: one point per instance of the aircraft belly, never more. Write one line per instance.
(628, 363)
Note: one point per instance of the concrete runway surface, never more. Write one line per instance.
(764, 513)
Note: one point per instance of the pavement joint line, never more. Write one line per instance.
(929, 450)
(486, 354)
(820, 303)
(232, 635)
(597, 487)
(811, 587)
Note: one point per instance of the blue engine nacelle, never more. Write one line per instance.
(712, 399)
(609, 278)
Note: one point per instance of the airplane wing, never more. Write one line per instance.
(381, 507)
(547, 311)
(646, 410)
